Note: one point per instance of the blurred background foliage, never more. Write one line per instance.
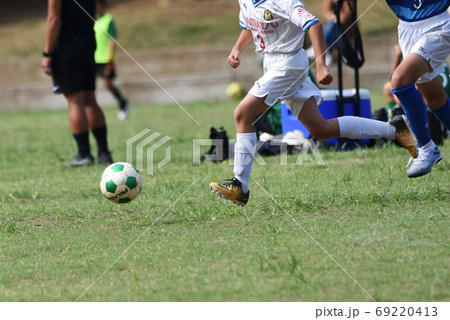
(158, 24)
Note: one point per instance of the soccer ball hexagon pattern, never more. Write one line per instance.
(120, 182)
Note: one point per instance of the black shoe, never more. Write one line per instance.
(104, 158)
(79, 161)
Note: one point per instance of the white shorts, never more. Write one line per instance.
(286, 78)
(429, 38)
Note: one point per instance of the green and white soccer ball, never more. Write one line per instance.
(120, 182)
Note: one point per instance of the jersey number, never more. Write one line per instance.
(262, 44)
(417, 4)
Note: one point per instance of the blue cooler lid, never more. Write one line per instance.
(331, 94)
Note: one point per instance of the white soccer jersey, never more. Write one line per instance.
(278, 26)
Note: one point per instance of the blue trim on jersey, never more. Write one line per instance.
(417, 10)
(308, 24)
(257, 3)
(242, 25)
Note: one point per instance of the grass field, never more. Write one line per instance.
(179, 242)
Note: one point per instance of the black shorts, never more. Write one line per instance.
(100, 70)
(73, 70)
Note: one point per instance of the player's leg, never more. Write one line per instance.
(387, 92)
(245, 113)
(68, 79)
(317, 125)
(354, 127)
(111, 87)
(108, 78)
(303, 104)
(77, 116)
(436, 99)
(403, 84)
(94, 113)
(80, 129)
(98, 127)
(391, 100)
(403, 80)
(330, 33)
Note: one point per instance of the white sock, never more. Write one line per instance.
(428, 146)
(244, 154)
(363, 128)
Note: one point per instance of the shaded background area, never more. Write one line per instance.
(13, 11)
(157, 24)
(183, 44)
(21, 10)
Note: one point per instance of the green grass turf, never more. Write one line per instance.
(58, 234)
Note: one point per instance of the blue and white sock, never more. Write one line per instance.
(416, 112)
(443, 114)
(244, 155)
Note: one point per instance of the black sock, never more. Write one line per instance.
(122, 101)
(82, 139)
(100, 134)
